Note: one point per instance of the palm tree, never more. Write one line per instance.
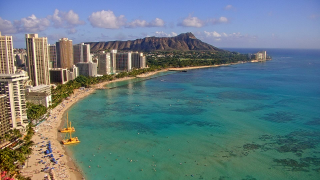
(7, 136)
(17, 133)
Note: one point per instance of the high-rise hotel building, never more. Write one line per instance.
(6, 55)
(64, 53)
(81, 53)
(115, 62)
(52, 56)
(138, 60)
(123, 61)
(105, 64)
(5, 123)
(126, 61)
(13, 86)
(38, 59)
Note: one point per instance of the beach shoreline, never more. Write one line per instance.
(66, 168)
(48, 131)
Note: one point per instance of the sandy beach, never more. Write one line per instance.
(65, 168)
(200, 67)
(150, 73)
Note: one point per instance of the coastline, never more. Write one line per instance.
(67, 167)
(48, 131)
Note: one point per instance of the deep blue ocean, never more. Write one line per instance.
(245, 121)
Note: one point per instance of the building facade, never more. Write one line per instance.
(39, 95)
(113, 58)
(105, 64)
(123, 62)
(52, 56)
(73, 72)
(81, 53)
(38, 59)
(64, 53)
(261, 55)
(20, 59)
(13, 86)
(59, 75)
(5, 124)
(6, 55)
(86, 52)
(87, 69)
(138, 60)
(114, 62)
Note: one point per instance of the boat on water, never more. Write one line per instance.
(71, 140)
(69, 128)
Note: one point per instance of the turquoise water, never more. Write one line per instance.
(246, 121)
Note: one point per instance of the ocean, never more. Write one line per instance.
(244, 121)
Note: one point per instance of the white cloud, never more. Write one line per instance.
(57, 20)
(224, 36)
(196, 22)
(31, 24)
(212, 34)
(157, 23)
(106, 19)
(137, 23)
(68, 19)
(229, 7)
(142, 23)
(217, 21)
(163, 34)
(223, 19)
(192, 22)
(72, 18)
(6, 27)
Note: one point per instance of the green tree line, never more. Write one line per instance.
(35, 111)
(11, 159)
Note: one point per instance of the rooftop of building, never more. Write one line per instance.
(11, 76)
(42, 94)
(34, 88)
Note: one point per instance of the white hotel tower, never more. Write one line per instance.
(6, 55)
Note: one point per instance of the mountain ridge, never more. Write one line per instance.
(181, 42)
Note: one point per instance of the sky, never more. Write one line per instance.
(221, 23)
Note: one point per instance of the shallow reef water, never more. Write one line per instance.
(246, 121)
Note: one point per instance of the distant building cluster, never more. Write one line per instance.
(259, 56)
(26, 75)
(114, 62)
